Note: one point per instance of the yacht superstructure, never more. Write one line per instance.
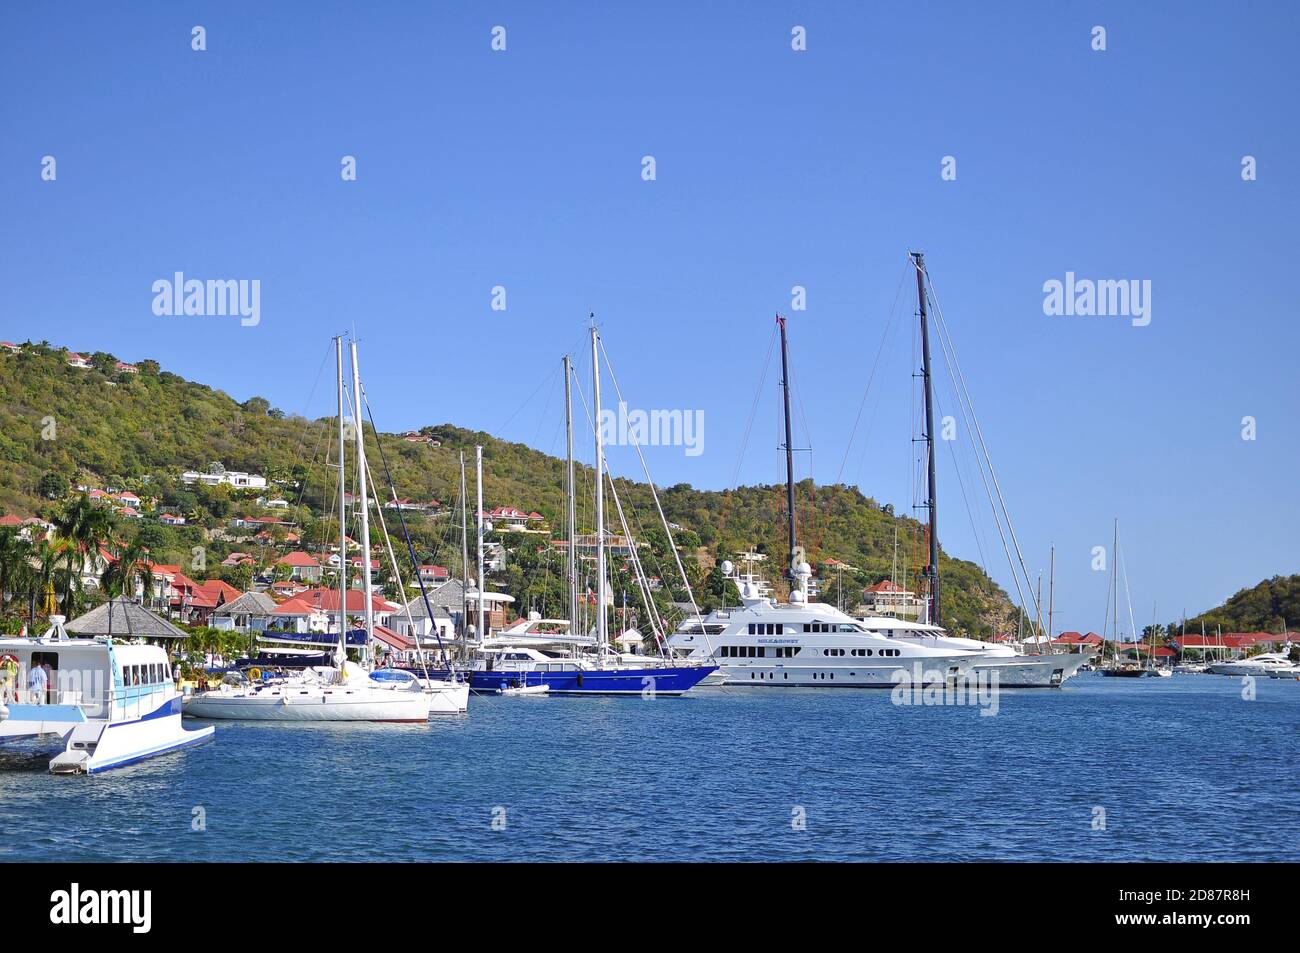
(807, 644)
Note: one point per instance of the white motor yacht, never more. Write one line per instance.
(1266, 663)
(807, 644)
(1014, 669)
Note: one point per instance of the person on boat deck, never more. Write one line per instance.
(37, 684)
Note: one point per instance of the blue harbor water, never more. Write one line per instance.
(1184, 769)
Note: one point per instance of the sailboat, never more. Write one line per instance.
(1010, 667)
(346, 690)
(1116, 668)
(526, 656)
(802, 643)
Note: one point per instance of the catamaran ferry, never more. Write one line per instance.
(111, 703)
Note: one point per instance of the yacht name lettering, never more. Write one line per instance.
(97, 907)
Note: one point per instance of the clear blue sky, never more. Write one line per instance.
(775, 168)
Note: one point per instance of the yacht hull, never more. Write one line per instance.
(93, 745)
(669, 680)
(1033, 671)
(784, 675)
(306, 705)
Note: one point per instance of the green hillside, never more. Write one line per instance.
(62, 426)
(1267, 607)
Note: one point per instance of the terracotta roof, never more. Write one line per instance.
(298, 558)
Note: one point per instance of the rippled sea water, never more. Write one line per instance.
(1184, 768)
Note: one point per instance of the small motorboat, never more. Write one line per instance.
(541, 689)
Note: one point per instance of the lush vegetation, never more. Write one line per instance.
(1271, 606)
(61, 427)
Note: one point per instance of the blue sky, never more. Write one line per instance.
(775, 168)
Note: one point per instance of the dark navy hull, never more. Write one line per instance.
(652, 680)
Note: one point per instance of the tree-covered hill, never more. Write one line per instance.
(1267, 607)
(62, 426)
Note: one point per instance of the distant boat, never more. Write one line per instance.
(1267, 663)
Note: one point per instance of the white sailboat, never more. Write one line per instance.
(345, 691)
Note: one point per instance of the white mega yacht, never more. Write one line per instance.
(1012, 668)
(807, 644)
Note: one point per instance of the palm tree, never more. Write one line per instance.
(85, 527)
(129, 570)
(15, 566)
(49, 574)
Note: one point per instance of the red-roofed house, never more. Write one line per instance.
(11, 347)
(77, 360)
(515, 520)
(302, 566)
(434, 574)
(317, 610)
(1090, 642)
(887, 598)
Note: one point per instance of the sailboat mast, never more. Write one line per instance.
(1051, 594)
(602, 624)
(1114, 578)
(478, 466)
(343, 524)
(572, 506)
(464, 558)
(932, 570)
(368, 610)
(793, 570)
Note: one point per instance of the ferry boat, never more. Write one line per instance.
(112, 703)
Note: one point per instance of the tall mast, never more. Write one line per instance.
(572, 506)
(478, 466)
(932, 570)
(602, 624)
(464, 559)
(793, 570)
(343, 524)
(368, 610)
(1051, 594)
(1114, 577)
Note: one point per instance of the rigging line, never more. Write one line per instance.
(397, 573)
(410, 547)
(960, 378)
(541, 420)
(654, 493)
(547, 378)
(875, 364)
(997, 518)
(744, 443)
(650, 608)
(970, 514)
